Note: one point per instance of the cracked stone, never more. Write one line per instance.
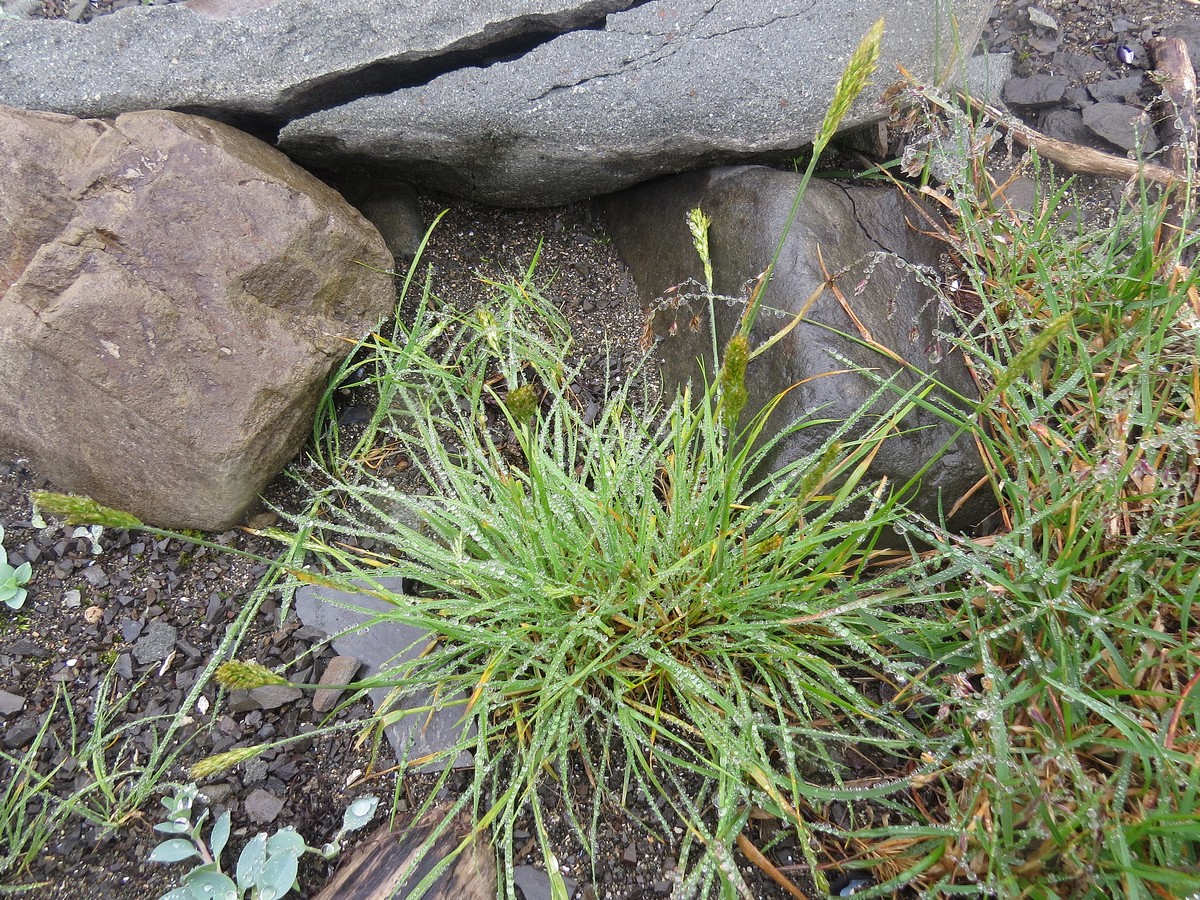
(518, 102)
(662, 87)
(268, 64)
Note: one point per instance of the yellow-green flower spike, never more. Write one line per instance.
(238, 674)
(698, 224)
(75, 510)
(855, 77)
(220, 762)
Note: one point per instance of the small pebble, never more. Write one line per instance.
(262, 807)
(339, 672)
(10, 704)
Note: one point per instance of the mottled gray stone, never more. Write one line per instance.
(156, 642)
(383, 645)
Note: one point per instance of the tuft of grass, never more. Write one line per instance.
(618, 598)
(1071, 656)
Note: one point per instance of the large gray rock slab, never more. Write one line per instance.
(861, 232)
(383, 645)
(664, 87)
(173, 297)
(261, 61)
(512, 102)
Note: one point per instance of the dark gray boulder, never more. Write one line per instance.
(860, 233)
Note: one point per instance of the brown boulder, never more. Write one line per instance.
(173, 296)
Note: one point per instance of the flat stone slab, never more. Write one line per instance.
(273, 60)
(511, 102)
(380, 646)
(662, 88)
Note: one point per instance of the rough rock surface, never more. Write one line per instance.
(383, 646)
(512, 102)
(860, 233)
(263, 62)
(173, 295)
(662, 88)
(1101, 53)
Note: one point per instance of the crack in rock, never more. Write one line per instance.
(271, 65)
(861, 224)
(669, 43)
(499, 42)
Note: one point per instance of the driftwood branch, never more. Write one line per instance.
(1176, 127)
(392, 861)
(1072, 157)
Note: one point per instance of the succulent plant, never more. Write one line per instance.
(12, 580)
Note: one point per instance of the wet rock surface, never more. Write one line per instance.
(514, 102)
(173, 296)
(884, 275)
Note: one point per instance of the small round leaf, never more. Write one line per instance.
(359, 813)
(251, 862)
(285, 842)
(174, 850)
(210, 885)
